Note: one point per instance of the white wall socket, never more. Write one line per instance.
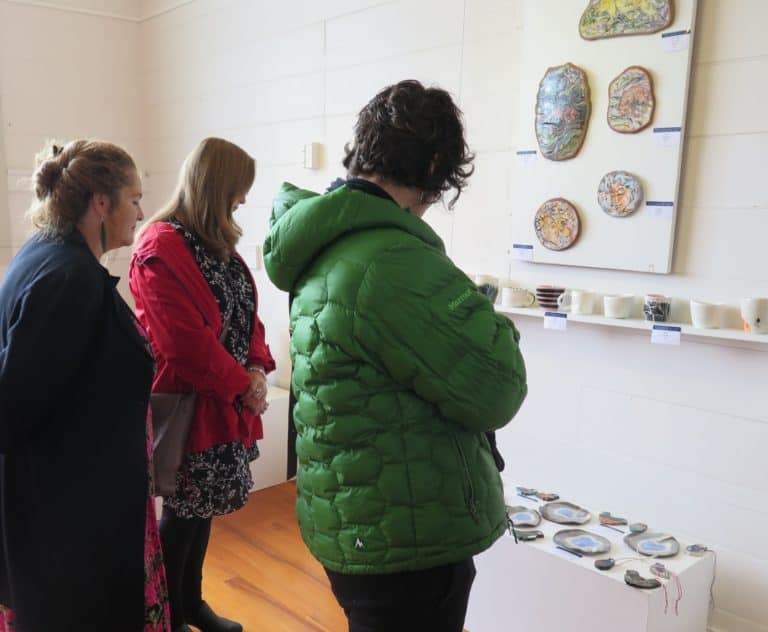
(251, 254)
(313, 153)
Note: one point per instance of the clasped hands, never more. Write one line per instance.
(255, 398)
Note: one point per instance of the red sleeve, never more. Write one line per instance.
(180, 334)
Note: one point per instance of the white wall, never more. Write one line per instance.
(5, 245)
(671, 436)
(69, 71)
(125, 9)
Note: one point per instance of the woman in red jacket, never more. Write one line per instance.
(191, 287)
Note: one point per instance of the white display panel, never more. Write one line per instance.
(644, 240)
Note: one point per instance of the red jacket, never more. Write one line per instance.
(182, 318)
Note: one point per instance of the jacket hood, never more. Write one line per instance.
(303, 224)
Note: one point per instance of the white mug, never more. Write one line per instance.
(706, 315)
(578, 301)
(754, 315)
(618, 305)
(516, 297)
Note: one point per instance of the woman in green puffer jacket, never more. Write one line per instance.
(400, 368)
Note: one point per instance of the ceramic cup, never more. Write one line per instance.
(706, 315)
(488, 285)
(656, 307)
(618, 305)
(754, 315)
(516, 297)
(547, 295)
(577, 301)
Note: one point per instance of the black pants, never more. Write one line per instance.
(184, 541)
(430, 600)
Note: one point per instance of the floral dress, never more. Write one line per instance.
(218, 480)
(157, 616)
(6, 620)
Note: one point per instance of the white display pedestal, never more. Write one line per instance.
(533, 586)
(270, 468)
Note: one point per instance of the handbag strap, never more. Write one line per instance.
(224, 331)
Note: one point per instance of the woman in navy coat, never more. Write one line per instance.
(75, 513)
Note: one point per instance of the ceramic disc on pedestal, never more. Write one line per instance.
(565, 513)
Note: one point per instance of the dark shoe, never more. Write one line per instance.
(208, 621)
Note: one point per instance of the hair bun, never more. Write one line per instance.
(47, 177)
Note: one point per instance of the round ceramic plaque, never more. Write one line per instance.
(565, 513)
(523, 516)
(557, 224)
(619, 193)
(653, 544)
(582, 541)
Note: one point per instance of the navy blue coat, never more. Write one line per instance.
(74, 387)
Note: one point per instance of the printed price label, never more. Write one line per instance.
(667, 136)
(665, 335)
(675, 41)
(660, 210)
(555, 320)
(523, 252)
(526, 157)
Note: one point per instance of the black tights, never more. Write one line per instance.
(184, 541)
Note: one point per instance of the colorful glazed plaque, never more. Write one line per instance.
(557, 224)
(631, 101)
(619, 193)
(614, 18)
(562, 111)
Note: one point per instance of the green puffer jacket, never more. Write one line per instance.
(399, 367)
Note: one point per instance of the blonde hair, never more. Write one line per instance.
(68, 176)
(210, 180)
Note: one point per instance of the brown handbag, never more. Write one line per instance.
(172, 415)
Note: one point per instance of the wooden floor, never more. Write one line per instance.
(259, 572)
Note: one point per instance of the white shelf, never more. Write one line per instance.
(638, 324)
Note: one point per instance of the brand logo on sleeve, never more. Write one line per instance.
(460, 299)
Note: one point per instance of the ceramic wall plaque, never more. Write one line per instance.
(619, 193)
(614, 18)
(631, 101)
(562, 111)
(557, 224)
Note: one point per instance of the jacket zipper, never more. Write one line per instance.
(469, 489)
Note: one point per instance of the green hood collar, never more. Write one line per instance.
(304, 223)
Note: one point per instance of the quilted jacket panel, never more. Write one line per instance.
(400, 366)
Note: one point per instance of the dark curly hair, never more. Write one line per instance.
(414, 137)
